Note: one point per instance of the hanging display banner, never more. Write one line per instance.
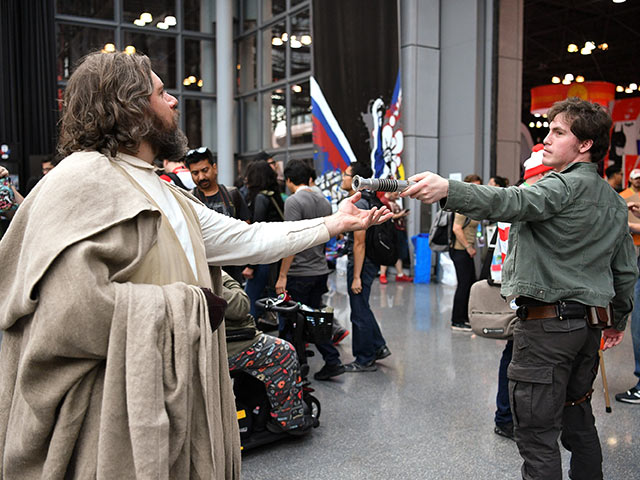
(355, 92)
(544, 96)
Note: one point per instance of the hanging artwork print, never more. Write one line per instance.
(355, 92)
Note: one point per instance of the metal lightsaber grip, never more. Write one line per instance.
(380, 184)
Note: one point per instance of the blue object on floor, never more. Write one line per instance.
(422, 270)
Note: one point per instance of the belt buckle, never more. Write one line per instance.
(522, 312)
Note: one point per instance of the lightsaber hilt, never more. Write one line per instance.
(380, 184)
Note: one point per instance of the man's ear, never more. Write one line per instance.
(585, 146)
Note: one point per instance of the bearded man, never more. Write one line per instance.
(112, 363)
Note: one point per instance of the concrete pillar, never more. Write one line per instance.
(224, 90)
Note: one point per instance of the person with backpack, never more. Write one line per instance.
(368, 344)
(462, 252)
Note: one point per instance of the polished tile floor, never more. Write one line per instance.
(427, 413)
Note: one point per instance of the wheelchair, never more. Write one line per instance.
(252, 403)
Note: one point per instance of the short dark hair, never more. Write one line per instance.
(299, 172)
(198, 154)
(501, 181)
(362, 169)
(612, 170)
(589, 121)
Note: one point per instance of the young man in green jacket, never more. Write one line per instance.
(569, 250)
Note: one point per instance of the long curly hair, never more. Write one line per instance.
(106, 104)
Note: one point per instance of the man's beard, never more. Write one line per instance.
(168, 142)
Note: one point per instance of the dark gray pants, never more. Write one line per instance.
(554, 361)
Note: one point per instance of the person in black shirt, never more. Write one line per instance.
(203, 165)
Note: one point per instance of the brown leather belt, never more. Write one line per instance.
(540, 311)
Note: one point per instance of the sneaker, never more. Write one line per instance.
(630, 396)
(340, 335)
(383, 279)
(404, 278)
(461, 327)
(328, 371)
(357, 367)
(383, 352)
(505, 430)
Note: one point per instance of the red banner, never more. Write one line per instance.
(543, 97)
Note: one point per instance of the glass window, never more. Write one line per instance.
(75, 41)
(300, 43)
(200, 123)
(159, 14)
(199, 15)
(199, 66)
(86, 8)
(250, 14)
(246, 64)
(296, 2)
(274, 41)
(274, 127)
(160, 49)
(271, 8)
(250, 124)
(301, 126)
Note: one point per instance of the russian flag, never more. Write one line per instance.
(329, 140)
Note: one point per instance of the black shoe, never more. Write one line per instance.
(630, 396)
(357, 367)
(308, 422)
(461, 327)
(328, 371)
(505, 430)
(383, 352)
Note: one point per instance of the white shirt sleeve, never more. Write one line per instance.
(229, 241)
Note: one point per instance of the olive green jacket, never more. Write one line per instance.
(569, 239)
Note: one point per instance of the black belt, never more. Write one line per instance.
(564, 310)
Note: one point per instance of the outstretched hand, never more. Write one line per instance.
(349, 218)
(611, 337)
(428, 187)
(634, 207)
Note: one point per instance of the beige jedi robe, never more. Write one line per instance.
(108, 366)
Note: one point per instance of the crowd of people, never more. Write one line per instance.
(189, 254)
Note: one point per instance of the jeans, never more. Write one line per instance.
(367, 338)
(255, 287)
(308, 290)
(635, 329)
(466, 275)
(503, 406)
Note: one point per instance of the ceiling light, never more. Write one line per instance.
(192, 79)
(544, 115)
(555, 79)
(305, 39)
(296, 88)
(585, 51)
(633, 86)
(536, 115)
(200, 83)
(146, 17)
(129, 49)
(619, 1)
(590, 45)
(186, 82)
(276, 41)
(531, 124)
(619, 89)
(572, 48)
(538, 124)
(295, 43)
(568, 76)
(284, 36)
(162, 26)
(627, 90)
(603, 46)
(545, 124)
(566, 81)
(579, 79)
(138, 22)
(170, 20)
(109, 48)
